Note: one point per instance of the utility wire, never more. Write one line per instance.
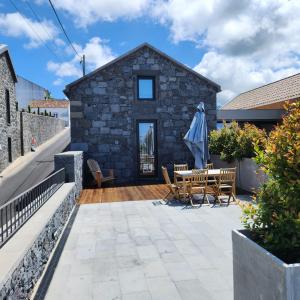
(63, 29)
(50, 36)
(34, 31)
(38, 19)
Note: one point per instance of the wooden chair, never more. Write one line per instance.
(174, 190)
(179, 167)
(209, 166)
(97, 173)
(226, 184)
(198, 184)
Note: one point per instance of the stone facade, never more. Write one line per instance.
(105, 110)
(23, 126)
(42, 128)
(7, 83)
(24, 277)
(72, 162)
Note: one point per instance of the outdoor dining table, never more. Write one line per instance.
(185, 175)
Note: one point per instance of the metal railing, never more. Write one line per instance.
(17, 211)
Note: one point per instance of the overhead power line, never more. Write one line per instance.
(38, 19)
(63, 29)
(33, 30)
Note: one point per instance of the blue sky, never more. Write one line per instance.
(240, 45)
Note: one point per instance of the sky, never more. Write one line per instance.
(239, 44)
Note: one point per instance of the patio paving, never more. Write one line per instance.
(141, 250)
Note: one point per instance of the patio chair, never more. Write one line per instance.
(198, 184)
(174, 190)
(226, 184)
(97, 173)
(209, 166)
(179, 167)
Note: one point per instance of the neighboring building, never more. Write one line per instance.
(26, 91)
(131, 114)
(262, 106)
(58, 108)
(9, 119)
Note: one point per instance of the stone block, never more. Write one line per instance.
(104, 130)
(115, 108)
(99, 91)
(98, 124)
(104, 148)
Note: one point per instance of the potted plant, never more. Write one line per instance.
(266, 255)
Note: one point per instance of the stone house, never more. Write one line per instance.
(131, 114)
(9, 119)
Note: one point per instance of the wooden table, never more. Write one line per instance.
(185, 175)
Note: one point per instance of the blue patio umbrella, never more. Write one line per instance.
(196, 138)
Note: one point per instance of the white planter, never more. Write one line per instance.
(249, 176)
(257, 274)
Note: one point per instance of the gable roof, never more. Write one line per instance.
(282, 90)
(51, 103)
(218, 88)
(4, 51)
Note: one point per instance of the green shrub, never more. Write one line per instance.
(275, 222)
(233, 142)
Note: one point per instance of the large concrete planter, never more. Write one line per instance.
(257, 274)
(249, 176)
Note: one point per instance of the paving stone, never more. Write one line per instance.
(154, 268)
(192, 290)
(107, 290)
(180, 271)
(137, 296)
(132, 281)
(162, 288)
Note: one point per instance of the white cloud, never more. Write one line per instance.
(58, 82)
(15, 25)
(97, 53)
(91, 11)
(239, 74)
(248, 43)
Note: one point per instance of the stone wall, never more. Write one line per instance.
(21, 282)
(8, 130)
(42, 128)
(72, 162)
(105, 111)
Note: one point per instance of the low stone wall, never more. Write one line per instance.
(21, 280)
(72, 162)
(42, 128)
(249, 176)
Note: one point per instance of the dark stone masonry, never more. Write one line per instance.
(106, 110)
(8, 125)
(18, 128)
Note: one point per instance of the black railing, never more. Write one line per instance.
(17, 211)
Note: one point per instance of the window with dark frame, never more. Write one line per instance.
(7, 102)
(9, 149)
(146, 88)
(147, 151)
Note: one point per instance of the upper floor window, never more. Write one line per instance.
(7, 102)
(146, 88)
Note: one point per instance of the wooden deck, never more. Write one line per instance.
(123, 193)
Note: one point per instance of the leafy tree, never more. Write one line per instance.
(275, 221)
